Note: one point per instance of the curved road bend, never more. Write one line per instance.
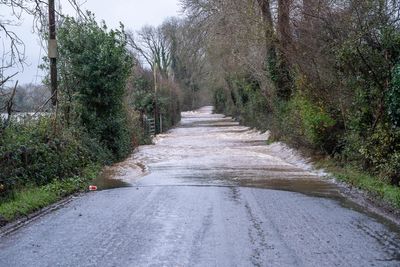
(215, 195)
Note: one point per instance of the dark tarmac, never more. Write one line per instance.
(208, 193)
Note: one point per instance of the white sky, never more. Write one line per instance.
(132, 13)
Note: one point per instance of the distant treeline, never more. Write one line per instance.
(29, 98)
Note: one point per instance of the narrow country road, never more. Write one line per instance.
(213, 194)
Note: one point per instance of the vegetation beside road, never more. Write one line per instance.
(322, 76)
(29, 199)
(104, 100)
(386, 194)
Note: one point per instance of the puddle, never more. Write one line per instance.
(315, 188)
(121, 174)
(107, 180)
(325, 189)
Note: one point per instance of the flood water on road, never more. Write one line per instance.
(211, 149)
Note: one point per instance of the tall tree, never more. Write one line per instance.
(268, 22)
(152, 45)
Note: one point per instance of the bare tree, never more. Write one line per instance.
(152, 45)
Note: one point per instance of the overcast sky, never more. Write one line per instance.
(132, 13)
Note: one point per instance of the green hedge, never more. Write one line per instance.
(31, 154)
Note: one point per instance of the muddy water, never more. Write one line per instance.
(108, 179)
(210, 149)
(122, 174)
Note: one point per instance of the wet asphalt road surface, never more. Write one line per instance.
(208, 193)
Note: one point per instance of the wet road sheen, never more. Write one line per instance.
(208, 193)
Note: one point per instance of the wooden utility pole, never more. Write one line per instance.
(53, 52)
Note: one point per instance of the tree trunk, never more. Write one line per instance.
(284, 32)
(284, 82)
(268, 22)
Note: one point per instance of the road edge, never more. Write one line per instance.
(27, 219)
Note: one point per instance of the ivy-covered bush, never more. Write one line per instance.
(94, 67)
(251, 104)
(219, 100)
(315, 121)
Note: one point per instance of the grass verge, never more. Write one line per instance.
(30, 199)
(371, 184)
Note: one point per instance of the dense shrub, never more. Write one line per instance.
(98, 64)
(393, 98)
(251, 103)
(30, 154)
(315, 122)
(219, 100)
(169, 106)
